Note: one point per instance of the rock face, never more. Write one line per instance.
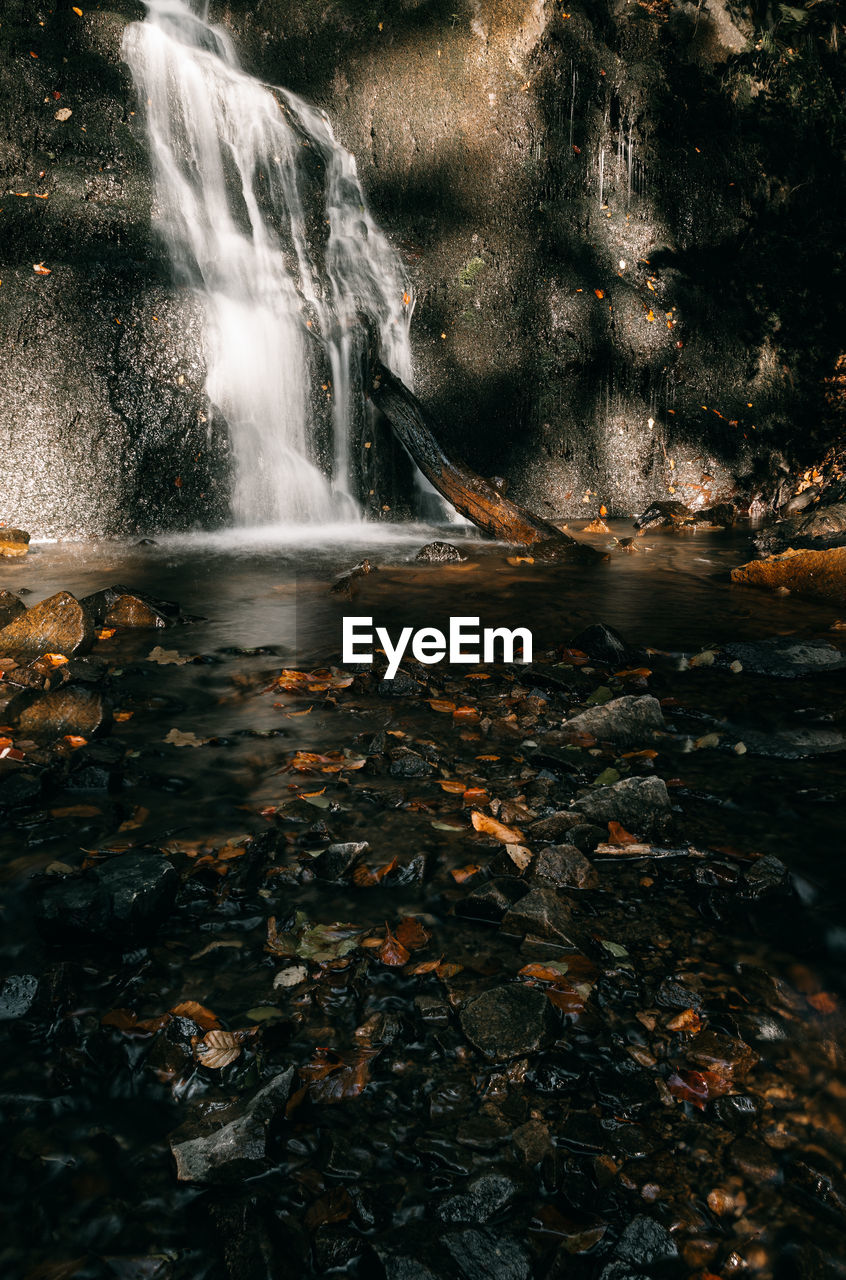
(57, 625)
(641, 805)
(627, 722)
(821, 575)
(122, 900)
(507, 1021)
(432, 106)
(14, 543)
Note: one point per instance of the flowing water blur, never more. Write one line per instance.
(234, 172)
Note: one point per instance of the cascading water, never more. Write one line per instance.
(232, 189)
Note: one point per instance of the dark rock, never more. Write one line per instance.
(125, 898)
(433, 1010)
(555, 826)
(10, 607)
(723, 514)
(402, 686)
(767, 877)
(586, 836)
(335, 1247)
(789, 744)
(398, 1264)
(778, 656)
(507, 1021)
(541, 914)
(737, 1111)
(485, 1254)
(70, 710)
(409, 764)
(337, 861)
(482, 1200)
(664, 515)
(439, 553)
(641, 805)
(555, 1074)
(17, 996)
(627, 722)
(491, 900)
(345, 584)
(14, 543)
(672, 994)
(645, 1242)
(132, 611)
(237, 1149)
(603, 644)
(565, 866)
(19, 787)
(57, 625)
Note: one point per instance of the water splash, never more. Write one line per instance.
(234, 175)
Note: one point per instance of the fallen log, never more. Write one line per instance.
(474, 498)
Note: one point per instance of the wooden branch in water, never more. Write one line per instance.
(471, 496)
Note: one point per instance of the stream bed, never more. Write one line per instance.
(310, 972)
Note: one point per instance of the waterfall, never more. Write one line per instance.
(233, 160)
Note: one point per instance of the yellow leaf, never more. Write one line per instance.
(490, 827)
(78, 12)
(650, 315)
(40, 269)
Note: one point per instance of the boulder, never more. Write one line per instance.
(10, 607)
(439, 553)
(14, 543)
(627, 722)
(820, 575)
(540, 914)
(641, 805)
(565, 867)
(69, 710)
(508, 1021)
(57, 625)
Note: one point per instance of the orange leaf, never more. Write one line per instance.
(392, 952)
(465, 713)
(454, 788)
(412, 935)
(823, 1003)
(499, 831)
(600, 293)
(476, 795)
(567, 999)
(619, 835)
(441, 704)
(364, 877)
(39, 267)
(197, 1013)
(460, 874)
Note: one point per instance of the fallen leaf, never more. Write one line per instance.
(197, 1013)
(442, 704)
(392, 952)
(519, 855)
(40, 269)
(177, 738)
(453, 787)
(596, 526)
(166, 657)
(363, 877)
(219, 1049)
(411, 934)
(290, 977)
(490, 827)
(618, 835)
(77, 811)
(600, 293)
(824, 1003)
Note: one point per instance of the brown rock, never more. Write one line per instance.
(819, 574)
(52, 715)
(57, 625)
(132, 611)
(13, 542)
(10, 607)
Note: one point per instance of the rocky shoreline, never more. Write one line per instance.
(493, 980)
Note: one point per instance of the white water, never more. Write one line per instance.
(231, 161)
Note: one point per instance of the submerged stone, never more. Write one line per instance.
(336, 861)
(69, 710)
(566, 867)
(821, 575)
(781, 656)
(541, 914)
(485, 1254)
(603, 644)
(10, 607)
(664, 515)
(123, 607)
(17, 996)
(508, 1021)
(57, 625)
(235, 1150)
(125, 898)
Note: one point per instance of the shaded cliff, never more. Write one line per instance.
(622, 222)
